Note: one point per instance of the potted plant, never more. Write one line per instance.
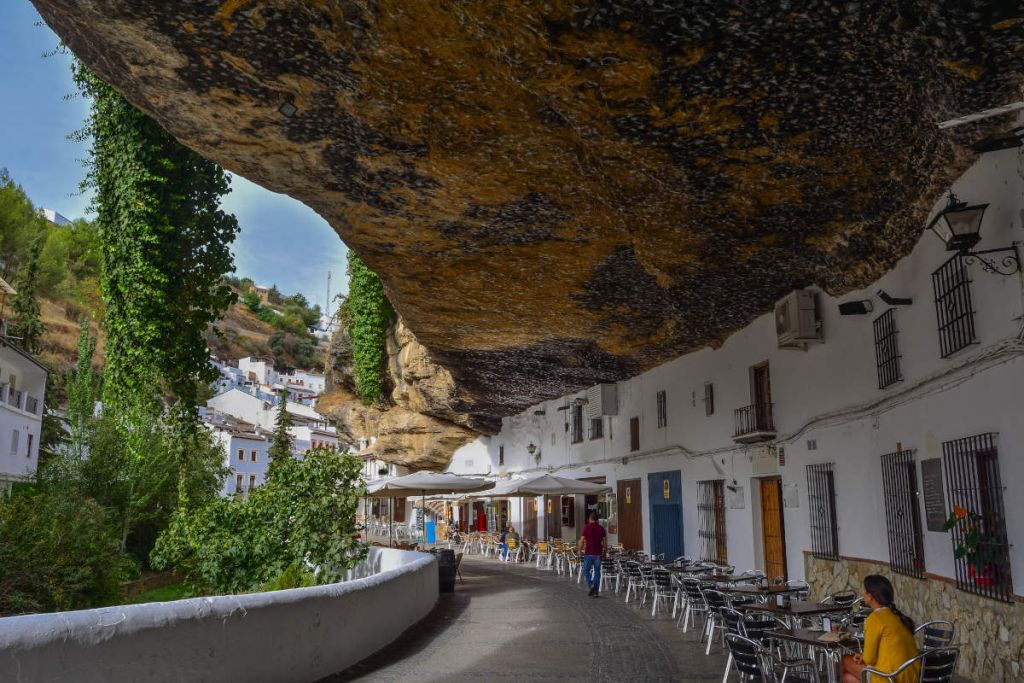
(970, 545)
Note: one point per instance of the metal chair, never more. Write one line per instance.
(609, 573)
(937, 666)
(843, 599)
(755, 663)
(715, 601)
(458, 565)
(662, 587)
(542, 551)
(938, 633)
(695, 604)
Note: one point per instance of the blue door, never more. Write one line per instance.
(666, 496)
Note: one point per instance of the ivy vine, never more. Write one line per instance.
(369, 315)
(165, 246)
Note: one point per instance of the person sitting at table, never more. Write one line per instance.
(502, 544)
(888, 636)
(510, 535)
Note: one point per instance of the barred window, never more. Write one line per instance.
(634, 433)
(501, 456)
(887, 353)
(821, 499)
(577, 423)
(662, 410)
(953, 306)
(973, 485)
(902, 513)
(596, 428)
(709, 398)
(711, 521)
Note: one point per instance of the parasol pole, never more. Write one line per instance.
(391, 521)
(423, 521)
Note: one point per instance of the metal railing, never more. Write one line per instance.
(14, 397)
(753, 418)
(31, 404)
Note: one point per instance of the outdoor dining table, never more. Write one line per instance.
(794, 610)
(761, 591)
(833, 649)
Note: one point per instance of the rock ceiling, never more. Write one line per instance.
(556, 193)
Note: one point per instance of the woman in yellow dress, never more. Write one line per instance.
(888, 636)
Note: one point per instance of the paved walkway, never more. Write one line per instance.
(513, 622)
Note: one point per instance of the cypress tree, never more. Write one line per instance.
(281, 441)
(26, 318)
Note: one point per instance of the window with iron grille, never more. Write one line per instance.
(711, 521)
(887, 352)
(662, 410)
(596, 428)
(903, 513)
(634, 433)
(577, 423)
(501, 456)
(972, 482)
(953, 307)
(821, 501)
(709, 398)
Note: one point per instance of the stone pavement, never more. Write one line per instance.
(513, 622)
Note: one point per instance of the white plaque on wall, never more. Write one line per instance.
(790, 495)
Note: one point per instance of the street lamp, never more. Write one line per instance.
(959, 227)
(534, 451)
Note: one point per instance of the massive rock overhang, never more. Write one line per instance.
(560, 194)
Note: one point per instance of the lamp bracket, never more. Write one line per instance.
(1008, 264)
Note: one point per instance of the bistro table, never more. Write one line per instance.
(758, 591)
(833, 649)
(793, 611)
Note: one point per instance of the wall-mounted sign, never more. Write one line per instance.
(934, 503)
(782, 456)
(734, 498)
(629, 496)
(549, 506)
(666, 490)
(790, 495)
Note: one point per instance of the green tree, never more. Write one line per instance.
(369, 316)
(303, 515)
(26, 317)
(20, 223)
(164, 243)
(281, 440)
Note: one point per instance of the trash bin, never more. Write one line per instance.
(445, 570)
(431, 532)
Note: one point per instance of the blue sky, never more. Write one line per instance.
(282, 241)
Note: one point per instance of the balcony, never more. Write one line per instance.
(31, 405)
(753, 423)
(15, 397)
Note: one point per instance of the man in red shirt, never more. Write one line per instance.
(593, 543)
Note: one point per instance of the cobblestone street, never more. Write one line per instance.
(518, 623)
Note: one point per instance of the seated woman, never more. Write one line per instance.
(511, 535)
(502, 545)
(888, 636)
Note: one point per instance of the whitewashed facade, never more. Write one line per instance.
(22, 388)
(827, 408)
(246, 456)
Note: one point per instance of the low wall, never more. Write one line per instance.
(301, 634)
(990, 633)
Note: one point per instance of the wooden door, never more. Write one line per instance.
(630, 502)
(761, 387)
(530, 519)
(400, 510)
(773, 528)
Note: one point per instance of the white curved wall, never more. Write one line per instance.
(301, 634)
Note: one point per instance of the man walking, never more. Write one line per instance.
(593, 543)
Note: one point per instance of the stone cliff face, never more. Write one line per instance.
(418, 428)
(558, 194)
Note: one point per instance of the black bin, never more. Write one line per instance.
(445, 570)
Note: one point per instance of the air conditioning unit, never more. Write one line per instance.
(796, 320)
(602, 400)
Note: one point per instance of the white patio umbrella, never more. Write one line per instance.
(429, 484)
(543, 485)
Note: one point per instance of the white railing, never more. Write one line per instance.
(302, 634)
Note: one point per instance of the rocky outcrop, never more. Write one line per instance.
(560, 194)
(419, 427)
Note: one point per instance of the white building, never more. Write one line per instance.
(54, 217)
(259, 370)
(829, 462)
(245, 447)
(22, 388)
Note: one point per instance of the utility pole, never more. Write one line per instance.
(327, 304)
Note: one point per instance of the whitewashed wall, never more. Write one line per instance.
(828, 394)
(18, 463)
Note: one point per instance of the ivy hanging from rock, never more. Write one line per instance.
(165, 247)
(369, 315)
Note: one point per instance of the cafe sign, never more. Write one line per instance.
(666, 489)
(629, 496)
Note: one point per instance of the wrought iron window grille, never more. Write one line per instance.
(577, 423)
(887, 353)
(662, 410)
(596, 428)
(954, 309)
(972, 479)
(903, 513)
(821, 498)
(711, 521)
